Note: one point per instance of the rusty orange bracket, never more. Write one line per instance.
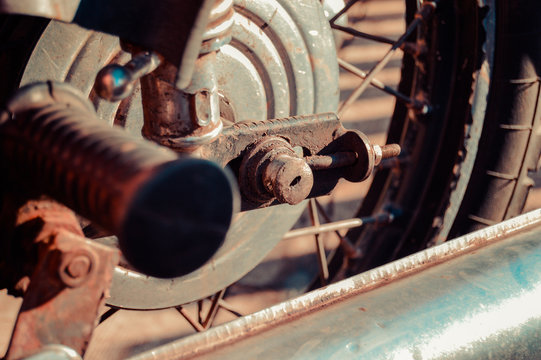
(69, 284)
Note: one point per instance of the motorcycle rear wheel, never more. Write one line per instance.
(475, 151)
(459, 169)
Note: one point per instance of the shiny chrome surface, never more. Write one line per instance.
(474, 297)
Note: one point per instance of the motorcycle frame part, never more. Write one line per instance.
(181, 119)
(151, 26)
(314, 135)
(473, 297)
(113, 179)
(68, 286)
(184, 119)
(271, 169)
(55, 352)
(27, 225)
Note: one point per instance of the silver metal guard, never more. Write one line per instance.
(474, 297)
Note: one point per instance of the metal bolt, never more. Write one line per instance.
(115, 82)
(75, 267)
(385, 152)
(289, 178)
(79, 266)
(271, 169)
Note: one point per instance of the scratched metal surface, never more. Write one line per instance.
(482, 302)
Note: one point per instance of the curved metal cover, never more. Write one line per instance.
(474, 297)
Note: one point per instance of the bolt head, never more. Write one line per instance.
(290, 179)
(75, 267)
(114, 82)
(79, 267)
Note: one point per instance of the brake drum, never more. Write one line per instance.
(280, 62)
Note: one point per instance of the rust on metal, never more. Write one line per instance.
(31, 229)
(54, 312)
(311, 132)
(271, 169)
(53, 142)
(186, 118)
(69, 282)
(328, 150)
(332, 161)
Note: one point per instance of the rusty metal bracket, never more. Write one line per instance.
(58, 308)
(69, 283)
(319, 141)
(311, 132)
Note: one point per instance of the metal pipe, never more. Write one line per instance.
(475, 297)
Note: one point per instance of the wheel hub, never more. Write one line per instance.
(280, 62)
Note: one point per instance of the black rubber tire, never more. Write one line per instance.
(461, 39)
(500, 181)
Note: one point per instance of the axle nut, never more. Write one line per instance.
(289, 178)
(76, 267)
(272, 170)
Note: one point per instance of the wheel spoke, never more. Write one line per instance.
(413, 103)
(361, 34)
(196, 325)
(228, 307)
(321, 256)
(200, 311)
(213, 311)
(329, 227)
(425, 11)
(349, 249)
(383, 218)
(205, 322)
(343, 11)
